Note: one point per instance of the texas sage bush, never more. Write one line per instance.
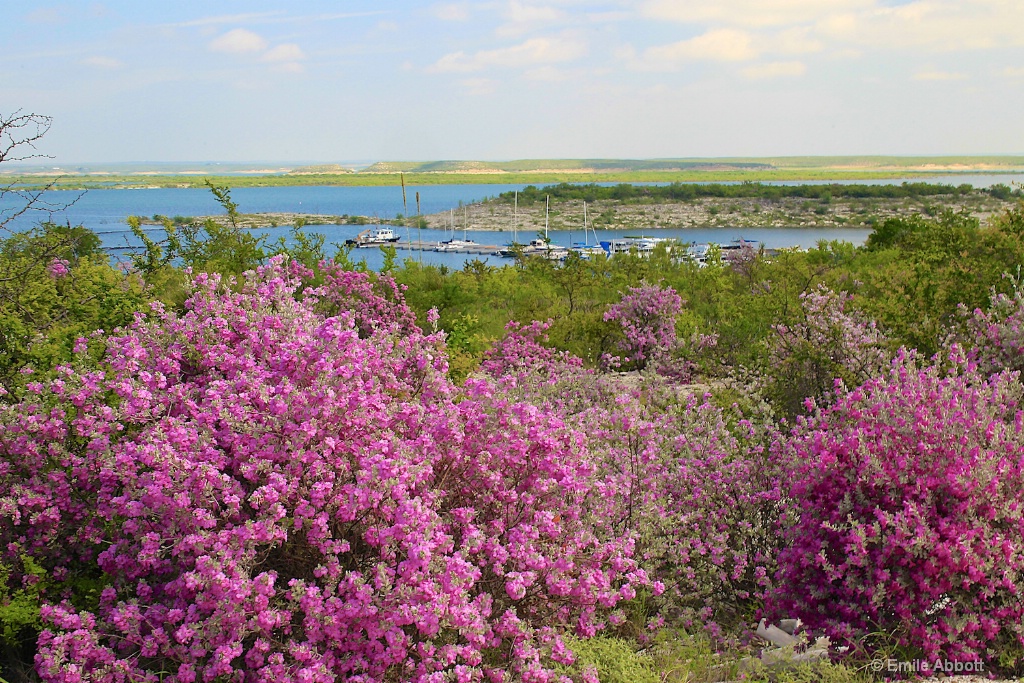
(907, 516)
(829, 341)
(692, 482)
(994, 335)
(696, 485)
(281, 484)
(646, 317)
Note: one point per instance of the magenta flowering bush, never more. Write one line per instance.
(907, 516)
(58, 268)
(282, 484)
(693, 483)
(995, 336)
(647, 316)
(521, 357)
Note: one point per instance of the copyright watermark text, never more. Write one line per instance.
(915, 666)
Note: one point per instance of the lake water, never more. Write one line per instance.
(105, 211)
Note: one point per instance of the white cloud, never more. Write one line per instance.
(103, 62)
(450, 12)
(720, 45)
(239, 41)
(285, 57)
(939, 76)
(536, 51)
(775, 70)
(750, 13)
(795, 27)
(608, 17)
(940, 25)
(289, 68)
(547, 74)
(1014, 71)
(285, 52)
(275, 17)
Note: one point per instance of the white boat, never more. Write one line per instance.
(698, 253)
(373, 237)
(642, 246)
(455, 245)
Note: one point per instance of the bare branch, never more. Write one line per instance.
(19, 133)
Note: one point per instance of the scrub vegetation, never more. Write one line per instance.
(236, 460)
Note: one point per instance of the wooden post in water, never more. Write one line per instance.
(515, 216)
(419, 225)
(405, 208)
(405, 204)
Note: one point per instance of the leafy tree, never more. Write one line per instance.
(56, 286)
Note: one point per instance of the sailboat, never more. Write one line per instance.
(456, 244)
(543, 247)
(513, 247)
(586, 249)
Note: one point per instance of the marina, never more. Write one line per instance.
(367, 218)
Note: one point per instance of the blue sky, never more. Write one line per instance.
(512, 79)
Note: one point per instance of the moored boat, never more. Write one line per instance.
(374, 237)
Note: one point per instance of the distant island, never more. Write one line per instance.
(645, 207)
(524, 171)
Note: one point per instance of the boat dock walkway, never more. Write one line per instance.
(417, 245)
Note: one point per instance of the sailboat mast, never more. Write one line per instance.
(515, 219)
(547, 205)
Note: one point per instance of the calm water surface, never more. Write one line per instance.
(105, 211)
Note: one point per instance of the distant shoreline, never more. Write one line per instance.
(434, 178)
(497, 215)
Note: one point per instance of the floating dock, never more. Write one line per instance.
(418, 245)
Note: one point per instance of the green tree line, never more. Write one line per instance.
(750, 190)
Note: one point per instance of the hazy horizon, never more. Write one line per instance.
(284, 164)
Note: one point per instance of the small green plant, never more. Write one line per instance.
(681, 658)
(613, 659)
(19, 608)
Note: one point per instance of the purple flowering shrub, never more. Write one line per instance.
(693, 483)
(647, 316)
(701, 495)
(907, 515)
(994, 336)
(828, 342)
(521, 357)
(647, 319)
(273, 486)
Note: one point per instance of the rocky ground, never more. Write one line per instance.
(711, 212)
